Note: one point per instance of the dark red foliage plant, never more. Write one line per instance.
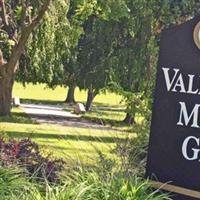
(26, 153)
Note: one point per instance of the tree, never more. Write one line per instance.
(70, 76)
(18, 20)
(47, 47)
(135, 56)
(93, 49)
(96, 45)
(131, 59)
(63, 64)
(56, 40)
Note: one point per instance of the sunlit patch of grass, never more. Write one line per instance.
(18, 116)
(62, 141)
(67, 141)
(42, 94)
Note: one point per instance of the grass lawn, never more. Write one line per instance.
(41, 94)
(64, 141)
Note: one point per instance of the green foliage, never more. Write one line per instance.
(93, 51)
(48, 47)
(6, 43)
(89, 185)
(13, 184)
(102, 44)
(134, 59)
(81, 185)
(96, 46)
(133, 151)
(137, 104)
(109, 10)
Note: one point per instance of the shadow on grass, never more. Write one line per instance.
(79, 123)
(105, 121)
(106, 107)
(100, 121)
(84, 121)
(96, 105)
(73, 149)
(20, 118)
(40, 101)
(85, 138)
(99, 115)
(100, 104)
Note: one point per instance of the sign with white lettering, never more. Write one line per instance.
(174, 148)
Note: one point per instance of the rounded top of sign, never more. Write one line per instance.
(196, 35)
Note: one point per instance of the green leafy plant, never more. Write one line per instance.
(26, 154)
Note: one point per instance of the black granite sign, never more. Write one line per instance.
(174, 148)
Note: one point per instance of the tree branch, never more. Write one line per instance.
(3, 13)
(40, 14)
(23, 17)
(19, 47)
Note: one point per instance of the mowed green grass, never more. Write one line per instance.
(65, 141)
(41, 93)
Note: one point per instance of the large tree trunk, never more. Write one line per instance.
(8, 70)
(90, 97)
(129, 119)
(6, 86)
(71, 94)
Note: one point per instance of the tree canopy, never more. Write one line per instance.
(18, 20)
(92, 44)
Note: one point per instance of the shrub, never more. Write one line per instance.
(13, 184)
(89, 185)
(25, 153)
(104, 182)
(133, 152)
(81, 185)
